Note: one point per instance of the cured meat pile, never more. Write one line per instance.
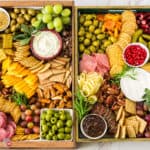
(109, 115)
(7, 127)
(95, 62)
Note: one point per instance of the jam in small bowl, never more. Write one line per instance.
(93, 126)
(136, 55)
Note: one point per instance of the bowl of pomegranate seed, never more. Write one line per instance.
(136, 54)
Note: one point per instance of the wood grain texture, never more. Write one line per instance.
(25, 3)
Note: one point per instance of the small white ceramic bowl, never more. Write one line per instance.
(141, 45)
(89, 137)
(5, 11)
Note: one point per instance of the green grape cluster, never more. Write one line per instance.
(55, 17)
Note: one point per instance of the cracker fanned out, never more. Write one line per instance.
(130, 106)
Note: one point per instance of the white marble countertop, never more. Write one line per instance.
(115, 145)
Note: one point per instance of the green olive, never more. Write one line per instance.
(13, 28)
(95, 23)
(92, 48)
(31, 12)
(89, 17)
(88, 35)
(81, 47)
(44, 128)
(61, 130)
(87, 23)
(91, 28)
(13, 15)
(54, 128)
(23, 11)
(87, 52)
(81, 39)
(16, 10)
(33, 20)
(54, 137)
(100, 51)
(51, 133)
(81, 19)
(112, 39)
(100, 36)
(48, 137)
(20, 15)
(48, 118)
(67, 130)
(96, 43)
(53, 120)
(81, 28)
(17, 26)
(27, 17)
(81, 33)
(97, 31)
(86, 42)
(13, 22)
(50, 112)
(60, 123)
(56, 115)
(107, 43)
(20, 20)
(93, 38)
(60, 136)
(67, 136)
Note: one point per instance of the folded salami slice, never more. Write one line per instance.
(3, 134)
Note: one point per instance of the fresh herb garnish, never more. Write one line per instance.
(146, 96)
(27, 32)
(19, 98)
(132, 74)
(81, 105)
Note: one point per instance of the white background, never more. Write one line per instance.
(115, 145)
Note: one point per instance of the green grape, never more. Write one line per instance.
(50, 25)
(43, 10)
(36, 23)
(57, 22)
(66, 12)
(66, 20)
(39, 16)
(48, 9)
(47, 18)
(57, 8)
(59, 29)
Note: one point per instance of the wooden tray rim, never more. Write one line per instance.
(84, 140)
(43, 144)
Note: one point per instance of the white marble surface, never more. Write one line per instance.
(115, 145)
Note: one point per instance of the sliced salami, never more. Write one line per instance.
(2, 122)
(3, 115)
(10, 130)
(12, 123)
(3, 134)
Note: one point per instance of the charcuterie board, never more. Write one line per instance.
(112, 73)
(37, 74)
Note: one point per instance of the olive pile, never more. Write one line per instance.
(90, 35)
(21, 16)
(56, 125)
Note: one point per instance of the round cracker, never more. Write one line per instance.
(125, 36)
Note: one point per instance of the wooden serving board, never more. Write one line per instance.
(38, 143)
(99, 9)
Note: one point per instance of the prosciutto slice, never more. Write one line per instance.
(95, 62)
